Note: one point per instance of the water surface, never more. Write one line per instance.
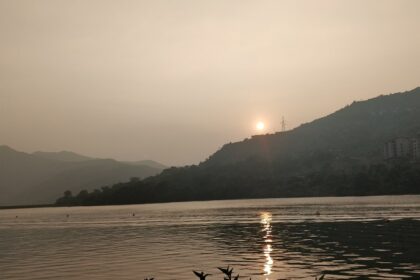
(299, 238)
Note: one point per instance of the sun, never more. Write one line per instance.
(260, 126)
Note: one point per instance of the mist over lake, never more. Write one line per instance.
(294, 238)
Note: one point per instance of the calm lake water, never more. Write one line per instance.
(377, 237)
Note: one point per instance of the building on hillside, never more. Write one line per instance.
(415, 148)
(402, 147)
(389, 150)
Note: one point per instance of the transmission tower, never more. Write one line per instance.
(283, 124)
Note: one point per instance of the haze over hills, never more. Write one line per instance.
(62, 156)
(43, 176)
(150, 163)
(74, 157)
(340, 154)
(356, 131)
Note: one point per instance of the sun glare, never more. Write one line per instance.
(260, 126)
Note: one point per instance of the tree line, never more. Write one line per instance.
(321, 175)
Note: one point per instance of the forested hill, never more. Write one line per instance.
(340, 154)
(358, 130)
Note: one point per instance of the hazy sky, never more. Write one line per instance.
(175, 80)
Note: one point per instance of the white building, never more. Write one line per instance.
(402, 147)
(415, 148)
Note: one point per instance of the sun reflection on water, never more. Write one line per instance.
(266, 224)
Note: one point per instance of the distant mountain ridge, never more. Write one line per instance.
(74, 157)
(150, 163)
(41, 177)
(62, 156)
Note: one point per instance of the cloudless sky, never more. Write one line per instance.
(174, 80)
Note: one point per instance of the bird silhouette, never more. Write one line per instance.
(201, 275)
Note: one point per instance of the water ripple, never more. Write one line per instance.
(270, 239)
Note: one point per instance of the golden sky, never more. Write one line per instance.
(174, 80)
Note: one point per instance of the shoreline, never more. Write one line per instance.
(27, 206)
(11, 207)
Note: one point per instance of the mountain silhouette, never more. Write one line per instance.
(356, 131)
(41, 177)
(149, 162)
(62, 156)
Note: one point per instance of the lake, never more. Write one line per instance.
(294, 238)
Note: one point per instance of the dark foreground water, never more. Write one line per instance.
(375, 237)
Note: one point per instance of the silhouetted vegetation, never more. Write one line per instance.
(227, 275)
(256, 179)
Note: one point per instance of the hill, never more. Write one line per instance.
(62, 156)
(41, 177)
(74, 157)
(150, 163)
(356, 131)
(340, 154)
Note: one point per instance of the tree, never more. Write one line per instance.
(68, 194)
(134, 179)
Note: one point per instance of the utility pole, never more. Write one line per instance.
(283, 124)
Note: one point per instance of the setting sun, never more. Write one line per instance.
(260, 126)
(305, 116)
